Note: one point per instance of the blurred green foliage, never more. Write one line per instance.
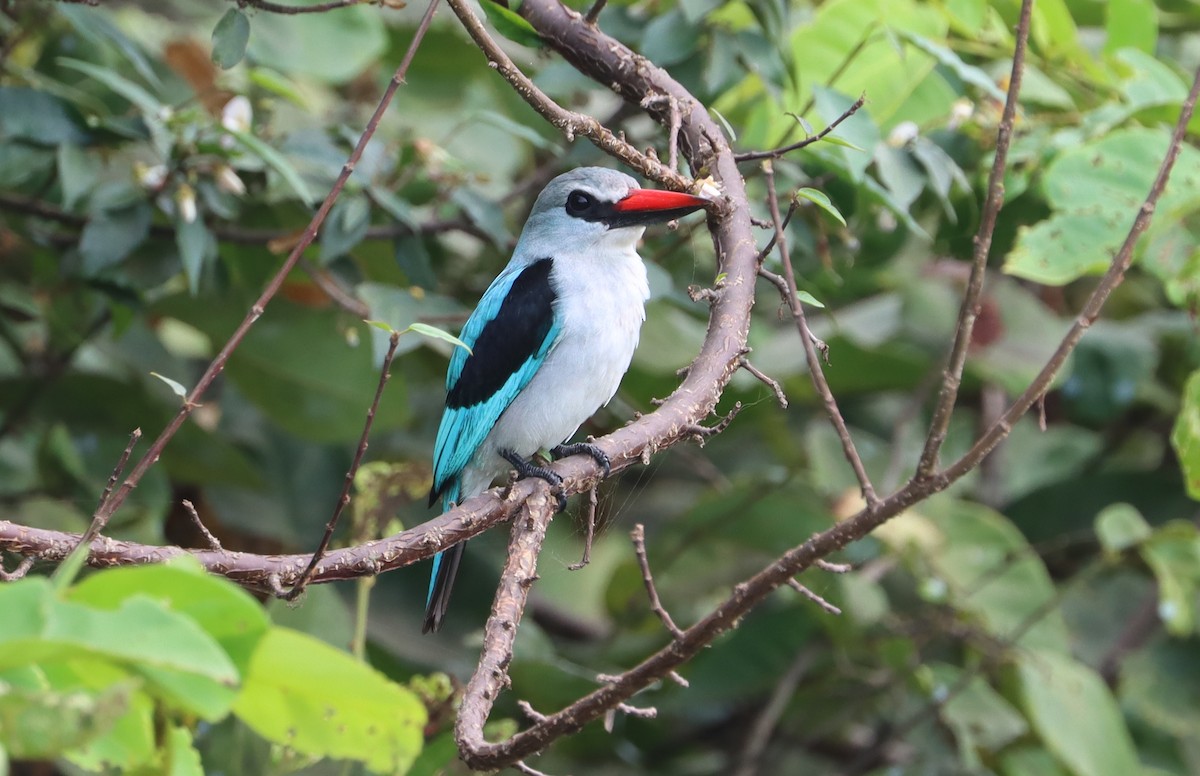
(1038, 618)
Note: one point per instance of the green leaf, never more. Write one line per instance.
(278, 162)
(196, 245)
(229, 39)
(273, 368)
(511, 24)
(809, 299)
(182, 759)
(729, 130)
(224, 610)
(1185, 436)
(176, 388)
(41, 724)
(837, 140)
(39, 627)
(382, 326)
(1130, 24)
(987, 569)
(947, 58)
(111, 236)
(345, 227)
(399, 308)
(484, 214)
(332, 48)
(1160, 684)
(33, 116)
(1030, 761)
(857, 136)
(129, 740)
(1173, 553)
(669, 38)
(78, 171)
(436, 333)
(514, 128)
(321, 702)
(1121, 526)
(821, 200)
(150, 106)
(1074, 714)
(1095, 189)
(980, 718)
(276, 84)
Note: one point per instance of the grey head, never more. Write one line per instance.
(592, 208)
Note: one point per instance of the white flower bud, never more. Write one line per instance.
(228, 181)
(903, 133)
(237, 115)
(150, 177)
(708, 188)
(185, 198)
(960, 112)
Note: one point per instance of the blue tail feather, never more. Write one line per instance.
(445, 568)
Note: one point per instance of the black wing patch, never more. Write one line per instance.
(510, 339)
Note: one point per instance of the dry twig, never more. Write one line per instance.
(638, 534)
(343, 501)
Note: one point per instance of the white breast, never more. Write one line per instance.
(601, 303)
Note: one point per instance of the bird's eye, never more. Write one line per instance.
(579, 203)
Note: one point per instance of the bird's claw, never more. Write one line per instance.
(597, 455)
(526, 468)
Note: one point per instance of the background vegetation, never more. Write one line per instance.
(1038, 617)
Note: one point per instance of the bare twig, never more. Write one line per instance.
(343, 501)
(17, 573)
(768, 381)
(808, 341)
(256, 310)
(638, 534)
(793, 206)
(213, 543)
(530, 711)
(289, 10)
(593, 13)
(834, 568)
(528, 770)
(993, 201)
(795, 584)
(642, 712)
(751, 156)
(590, 521)
(101, 515)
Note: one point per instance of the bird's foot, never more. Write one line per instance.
(598, 455)
(526, 468)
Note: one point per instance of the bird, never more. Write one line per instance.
(548, 343)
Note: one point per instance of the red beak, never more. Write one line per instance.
(653, 200)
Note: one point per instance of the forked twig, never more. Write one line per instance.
(993, 201)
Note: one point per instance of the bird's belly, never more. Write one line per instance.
(580, 375)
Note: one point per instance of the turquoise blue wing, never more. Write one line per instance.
(510, 333)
